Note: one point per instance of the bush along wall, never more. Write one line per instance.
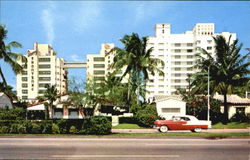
(98, 125)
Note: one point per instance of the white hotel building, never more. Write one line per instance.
(178, 52)
(43, 67)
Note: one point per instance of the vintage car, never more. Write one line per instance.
(182, 123)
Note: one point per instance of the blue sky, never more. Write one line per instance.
(77, 28)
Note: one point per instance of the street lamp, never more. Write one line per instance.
(208, 96)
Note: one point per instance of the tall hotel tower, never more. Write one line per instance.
(43, 67)
(178, 52)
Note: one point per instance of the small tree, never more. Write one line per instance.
(51, 95)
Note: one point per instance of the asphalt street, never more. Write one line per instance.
(124, 148)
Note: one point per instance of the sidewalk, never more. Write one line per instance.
(156, 131)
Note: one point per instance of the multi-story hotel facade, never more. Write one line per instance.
(178, 53)
(42, 67)
(99, 65)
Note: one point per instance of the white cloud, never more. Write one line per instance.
(48, 18)
(76, 58)
(87, 15)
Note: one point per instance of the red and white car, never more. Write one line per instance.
(182, 123)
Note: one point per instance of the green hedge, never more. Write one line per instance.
(95, 125)
(98, 125)
(128, 120)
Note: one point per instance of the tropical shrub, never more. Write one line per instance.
(4, 129)
(98, 125)
(21, 129)
(14, 128)
(147, 116)
(55, 129)
(62, 126)
(46, 127)
(72, 130)
(13, 114)
(36, 128)
(240, 117)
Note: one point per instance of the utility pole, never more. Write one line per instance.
(208, 95)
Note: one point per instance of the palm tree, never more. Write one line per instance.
(137, 60)
(51, 95)
(7, 55)
(228, 69)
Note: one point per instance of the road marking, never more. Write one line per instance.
(28, 144)
(115, 156)
(197, 144)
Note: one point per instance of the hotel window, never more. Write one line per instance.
(177, 75)
(24, 97)
(177, 69)
(177, 57)
(190, 69)
(177, 63)
(209, 48)
(177, 44)
(44, 78)
(189, 50)
(99, 65)
(177, 81)
(99, 59)
(198, 42)
(99, 78)
(44, 66)
(189, 44)
(99, 72)
(24, 72)
(24, 66)
(24, 85)
(24, 91)
(151, 80)
(189, 56)
(189, 63)
(43, 84)
(41, 91)
(177, 50)
(44, 59)
(176, 87)
(24, 79)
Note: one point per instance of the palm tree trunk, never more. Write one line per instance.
(225, 108)
(3, 78)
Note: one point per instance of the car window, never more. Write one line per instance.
(185, 119)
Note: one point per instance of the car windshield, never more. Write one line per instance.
(177, 118)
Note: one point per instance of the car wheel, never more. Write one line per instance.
(163, 129)
(198, 129)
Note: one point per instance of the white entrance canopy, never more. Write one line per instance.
(36, 108)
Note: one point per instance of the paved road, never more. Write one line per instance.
(156, 131)
(124, 149)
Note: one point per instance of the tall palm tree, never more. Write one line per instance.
(228, 69)
(137, 60)
(7, 55)
(51, 95)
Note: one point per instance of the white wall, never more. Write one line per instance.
(171, 103)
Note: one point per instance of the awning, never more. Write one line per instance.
(36, 108)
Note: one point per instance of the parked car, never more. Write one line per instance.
(182, 123)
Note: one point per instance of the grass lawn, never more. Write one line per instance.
(127, 126)
(231, 125)
(205, 135)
